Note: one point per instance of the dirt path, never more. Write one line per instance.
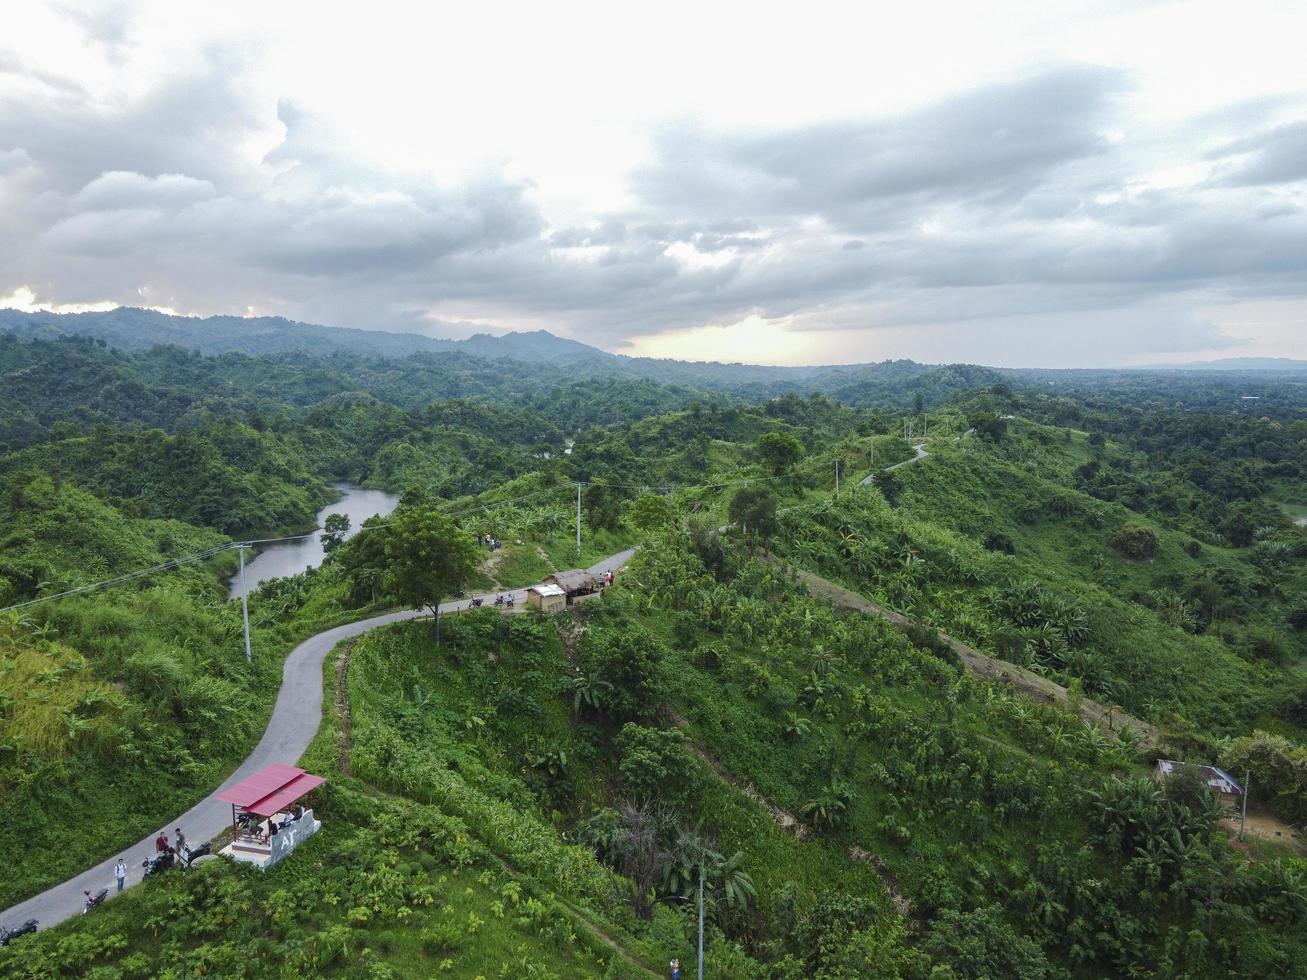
(1264, 826)
(983, 665)
(787, 822)
(344, 717)
(490, 567)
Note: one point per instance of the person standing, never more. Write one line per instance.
(120, 873)
(161, 842)
(676, 969)
(180, 843)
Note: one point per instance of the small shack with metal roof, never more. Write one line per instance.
(1218, 780)
(548, 597)
(266, 821)
(575, 582)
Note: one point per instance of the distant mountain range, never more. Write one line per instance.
(888, 383)
(131, 329)
(1235, 364)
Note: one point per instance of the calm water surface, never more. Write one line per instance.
(292, 557)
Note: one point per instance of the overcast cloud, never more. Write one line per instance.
(1073, 199)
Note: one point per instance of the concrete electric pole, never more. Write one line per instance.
(245, 605)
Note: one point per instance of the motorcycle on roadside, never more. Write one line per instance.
(94, 901)
(7, 936)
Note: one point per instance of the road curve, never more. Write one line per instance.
(920, 449)
(293, 725)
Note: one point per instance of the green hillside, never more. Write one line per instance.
(906, 731)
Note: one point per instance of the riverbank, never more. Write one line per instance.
(292, 557)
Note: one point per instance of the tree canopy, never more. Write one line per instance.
(430, 558)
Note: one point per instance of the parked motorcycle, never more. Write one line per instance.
(190, 854)
(159, 863)
(7, 936)
(499, 600)
(476, 603)
(94, 900)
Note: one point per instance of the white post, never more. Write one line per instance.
(1243, 816)
(701, 919)
(245, 604)
(837, 477)
(578, 523)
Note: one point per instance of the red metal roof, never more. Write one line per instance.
(271, 789)
(285, 796)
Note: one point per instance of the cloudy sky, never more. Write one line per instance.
(1006, 183)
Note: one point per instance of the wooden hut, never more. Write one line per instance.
(549, 598)
(575, 582)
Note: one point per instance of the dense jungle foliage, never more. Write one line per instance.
(536, 796)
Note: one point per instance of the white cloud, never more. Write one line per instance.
(1008, 183)
(23, 298)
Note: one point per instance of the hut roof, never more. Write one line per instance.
(573, 580)
(547, 589)
(1217, 779)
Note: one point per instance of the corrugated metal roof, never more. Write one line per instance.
(267, 780)
(271, 789)
(284, 797)
(547, 589)
(1218, 779)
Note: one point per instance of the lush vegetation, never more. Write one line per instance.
(525, 796)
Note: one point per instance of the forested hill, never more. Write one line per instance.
(130, 329)
(139, 331)
(530, 795)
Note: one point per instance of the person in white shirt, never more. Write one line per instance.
(120, 872)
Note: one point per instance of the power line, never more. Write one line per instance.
(126, 577)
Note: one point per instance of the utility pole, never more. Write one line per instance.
(837, 477)
(578, 523)
(701, 917)
(245, 604)
(925, 424)
(1243, 816)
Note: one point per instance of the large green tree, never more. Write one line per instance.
(779, 451)
(430, 558)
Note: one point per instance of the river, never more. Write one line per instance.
(292, 557)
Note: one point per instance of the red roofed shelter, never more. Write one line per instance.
(266, 822)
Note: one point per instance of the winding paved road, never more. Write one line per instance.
(921, 454)
(294, 723)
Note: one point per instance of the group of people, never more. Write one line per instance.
(290, 817)
(490, 541)
(161, 846)
(253, 826)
